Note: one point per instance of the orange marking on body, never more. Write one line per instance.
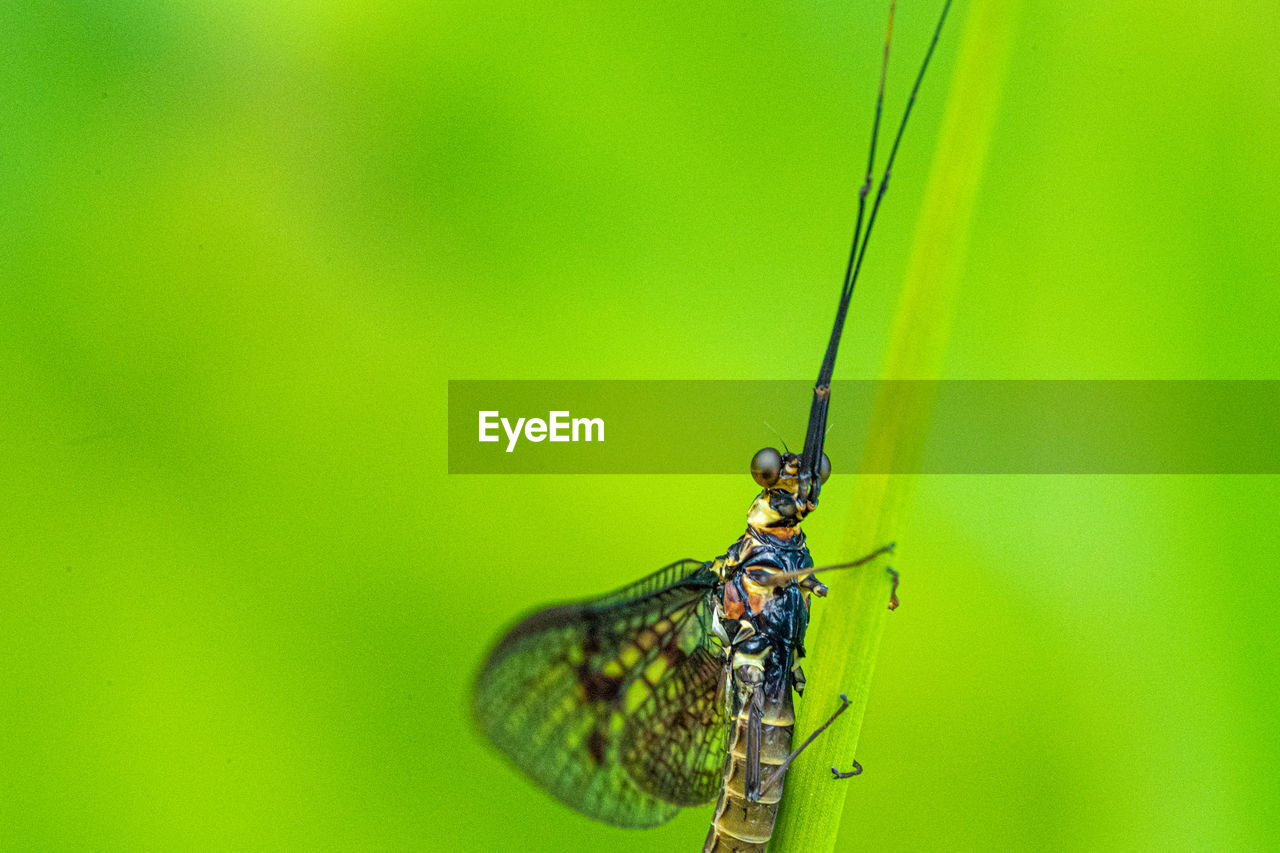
(733, 606)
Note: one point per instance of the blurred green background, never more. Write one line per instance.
(246, 244)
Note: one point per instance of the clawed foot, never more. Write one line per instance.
(857, 769)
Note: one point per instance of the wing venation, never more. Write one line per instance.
(674, 745)
(555, 693)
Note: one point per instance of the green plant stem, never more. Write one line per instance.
(846, 630)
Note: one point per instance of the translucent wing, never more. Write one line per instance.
(555, 693)
(674, 744)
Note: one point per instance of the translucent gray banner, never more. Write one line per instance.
(976, 426)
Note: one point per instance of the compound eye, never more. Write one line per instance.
(765, 466)
(824, 469)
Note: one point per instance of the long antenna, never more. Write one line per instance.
(811, 458)
(897, 140)
(846, 291)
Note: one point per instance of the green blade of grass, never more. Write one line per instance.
(846, 629)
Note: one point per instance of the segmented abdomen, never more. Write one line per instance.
(741, 825)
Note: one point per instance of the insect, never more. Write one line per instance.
(677, 690)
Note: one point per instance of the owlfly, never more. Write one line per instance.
(677, 690)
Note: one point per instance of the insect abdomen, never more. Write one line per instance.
(741, 825)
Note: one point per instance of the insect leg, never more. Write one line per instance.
(797, 575)
(893, 592)
(782, 768)
(857, 770)
(752, 785)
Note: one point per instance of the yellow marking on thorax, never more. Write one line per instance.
(755, 660)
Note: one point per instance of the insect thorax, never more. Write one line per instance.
(760, 623)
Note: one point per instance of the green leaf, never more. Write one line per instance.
(846, 630)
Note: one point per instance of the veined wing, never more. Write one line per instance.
(556, 692)
(674, 744)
